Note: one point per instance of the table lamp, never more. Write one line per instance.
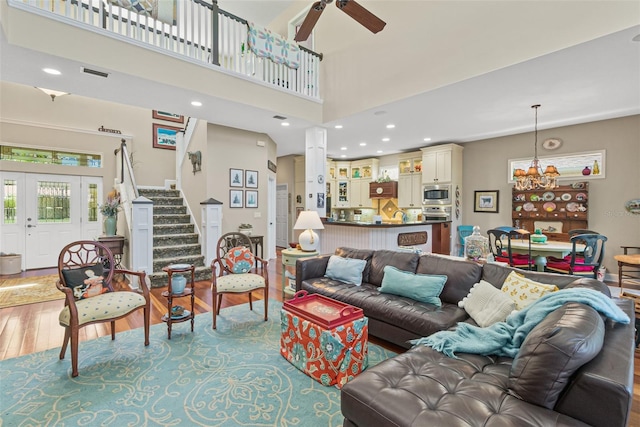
(308, 221)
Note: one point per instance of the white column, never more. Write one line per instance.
(142, 235)
(211, 228)
(315, 168)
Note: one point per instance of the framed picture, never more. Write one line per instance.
(165, 136)
(170, 117)
(236, 177)
(252, 179)
(235, 198)
(486, 201)
(251, 198)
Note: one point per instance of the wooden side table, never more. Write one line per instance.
(116, 246)
(255, 241)
(188, 292)
(289, 258)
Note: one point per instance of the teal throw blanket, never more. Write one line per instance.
(505, 338)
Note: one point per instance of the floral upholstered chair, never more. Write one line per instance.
(86, 276)
(236, 270)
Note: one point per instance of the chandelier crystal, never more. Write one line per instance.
(534, 178)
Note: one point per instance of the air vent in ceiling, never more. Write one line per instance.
(95, 72)
(279, 117)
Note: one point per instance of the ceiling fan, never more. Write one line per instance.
(350, 7)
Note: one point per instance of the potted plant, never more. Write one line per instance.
(245, 229)
(110, 212)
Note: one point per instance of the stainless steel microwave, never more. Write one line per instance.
(436, 194)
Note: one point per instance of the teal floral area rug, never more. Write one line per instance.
(233, 376)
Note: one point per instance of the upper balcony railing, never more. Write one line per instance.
(195, 29)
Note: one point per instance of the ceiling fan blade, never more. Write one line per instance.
(362, 15)
(309, 21)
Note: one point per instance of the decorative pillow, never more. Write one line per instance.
(420, 287)
(239, 260)
(86, 282)
(524, 291)
(347, 270)
(486, 304)
(553, 351)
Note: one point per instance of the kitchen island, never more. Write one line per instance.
(430, 236)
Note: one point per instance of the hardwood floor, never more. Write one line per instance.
(34, 327)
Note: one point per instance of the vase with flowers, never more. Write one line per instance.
(109, 211)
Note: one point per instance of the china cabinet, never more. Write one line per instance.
(555, 211)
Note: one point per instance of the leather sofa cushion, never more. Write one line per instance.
(425, 388)
(420, 319)
(461, 275)
(364, 254)
(407, 261)
(565, 340)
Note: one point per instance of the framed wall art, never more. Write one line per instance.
(170, 117)
(251, 198)
(236, 198)
(486, 201)
(252, 179)
(165, 136)
(236, 177)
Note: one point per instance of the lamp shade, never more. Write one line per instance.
(308, 221)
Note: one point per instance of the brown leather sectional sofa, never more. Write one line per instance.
(422, 387)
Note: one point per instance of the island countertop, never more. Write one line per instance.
(383, 225)
(425, 236)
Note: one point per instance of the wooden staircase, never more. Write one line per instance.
(174, 239)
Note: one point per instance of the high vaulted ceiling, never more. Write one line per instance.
(590, 79)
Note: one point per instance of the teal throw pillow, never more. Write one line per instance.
(420, 287)
(347, 270)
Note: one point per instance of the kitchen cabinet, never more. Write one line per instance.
(442, 164)
(410, 190)
(342, 194)
(555, 211)
(360, 194)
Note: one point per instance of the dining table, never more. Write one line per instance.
(540, 251)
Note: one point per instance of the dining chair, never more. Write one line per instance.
(572, 233)
(585, 262)
(236, 270)
(500, 247)
(628, 264)
(463, 231)
(87, 277)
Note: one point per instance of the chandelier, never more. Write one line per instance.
(534, 178)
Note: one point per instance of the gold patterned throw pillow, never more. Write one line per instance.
(524, 291)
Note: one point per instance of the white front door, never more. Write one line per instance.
(43, 213)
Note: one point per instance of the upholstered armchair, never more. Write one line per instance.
(236, 270)
(86, 277)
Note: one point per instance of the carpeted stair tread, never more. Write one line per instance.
(171, 219)
(164, 229)
(175, 239)
(158, 280)
(175, 251)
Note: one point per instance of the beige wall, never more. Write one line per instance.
(233, 148)
(29, 117)
(194, 186)
(286, 175)
(485, 168)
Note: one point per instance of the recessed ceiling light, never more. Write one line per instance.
(362, 144)
(390, 126)
(284, 123)
(427, 139)
(386, 139)
(379, 151)
(338, 126)
(196, 103)
(343, 148)
(51, 71)
(343, 155)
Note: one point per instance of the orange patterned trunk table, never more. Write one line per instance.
(324, 338)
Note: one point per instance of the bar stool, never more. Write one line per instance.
(628, 264)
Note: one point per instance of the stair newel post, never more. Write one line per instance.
(211, 228)
(141, 246)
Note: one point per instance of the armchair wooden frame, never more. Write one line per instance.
(86, 253)
(220, 269)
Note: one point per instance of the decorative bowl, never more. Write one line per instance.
(293, 244)
(538, 238)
